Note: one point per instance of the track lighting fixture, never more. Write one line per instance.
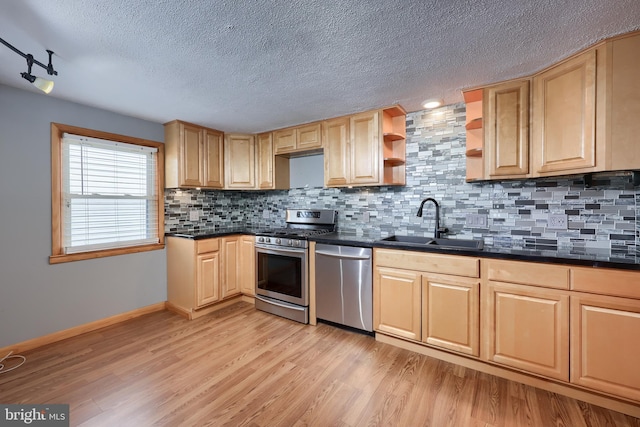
(44, 85)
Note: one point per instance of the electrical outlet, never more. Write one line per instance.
(194, 215)
(265, 214)
(558, 221)
(365, 216)
(476, 220)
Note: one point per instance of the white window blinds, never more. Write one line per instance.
(109, 197)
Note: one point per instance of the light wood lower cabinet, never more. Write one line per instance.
(247, 265)
(397, 303)
(605, 344)
(451, 313)
(203, 273)
(207, 279)
(527, 328)
(230, 283)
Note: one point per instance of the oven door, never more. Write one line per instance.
(281, 273)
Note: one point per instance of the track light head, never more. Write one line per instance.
(44, 85)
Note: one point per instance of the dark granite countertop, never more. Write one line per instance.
(586, 257)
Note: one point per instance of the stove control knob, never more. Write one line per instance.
(278, 241)
(260, 239)
(267, 240)
(296, 243)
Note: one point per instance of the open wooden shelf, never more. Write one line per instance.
(393, 136)
(393, 161)
(474, 152)
(474, 124)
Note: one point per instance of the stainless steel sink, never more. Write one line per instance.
(420, 241)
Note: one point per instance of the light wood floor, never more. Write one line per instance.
(243, 367)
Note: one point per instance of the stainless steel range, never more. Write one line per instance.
(282, 271)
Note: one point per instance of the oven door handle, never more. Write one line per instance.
(278, 251)
(287, 306)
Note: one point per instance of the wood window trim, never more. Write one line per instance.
(57, 252)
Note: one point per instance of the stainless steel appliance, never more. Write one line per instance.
(344, 285)
(282, 273)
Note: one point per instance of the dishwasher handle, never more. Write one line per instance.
(343, 256)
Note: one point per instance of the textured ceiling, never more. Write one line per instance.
(256, 65)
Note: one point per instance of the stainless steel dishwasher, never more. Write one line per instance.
(344, 286)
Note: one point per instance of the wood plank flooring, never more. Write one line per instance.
(243, 367)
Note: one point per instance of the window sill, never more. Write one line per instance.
(58, 259)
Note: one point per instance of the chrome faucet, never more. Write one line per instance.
(437, 230)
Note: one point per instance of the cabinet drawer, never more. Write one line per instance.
(208, 245)
(527, 273)
(606, 282)
(435, 263)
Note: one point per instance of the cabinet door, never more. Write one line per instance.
(191, 156)
(284, 140)
(230, 283)
(365, 147)
(308, 137)
(451, 313)
(605, 343)
(247, 265)
(527, 328)
(397, 303)
(239, 152)
(207, 278)
(336, 152)
(564, 116)
(265, 161)
(506, 126)
(213, 159)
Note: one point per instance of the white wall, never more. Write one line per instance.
(36, 298)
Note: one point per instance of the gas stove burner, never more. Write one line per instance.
(301, 224)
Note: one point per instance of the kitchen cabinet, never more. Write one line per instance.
(506, 129)
(306, 138)
(564, 115)
(578, 116)
(433, 299)
(247, 265)
(240, 158)
(273, 171)
(230, 278)
(366, 148)
(397, 303)
(193, 274)
(193, 156)
(526, 317)
(204, 274)
(605, 331)
(451, 312)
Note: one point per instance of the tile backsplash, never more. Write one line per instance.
(518, 213)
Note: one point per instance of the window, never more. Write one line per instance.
(106, 194)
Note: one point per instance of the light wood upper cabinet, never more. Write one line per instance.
(366, 148)
(336, 152)
(247, 265)
(213, 159)
(451, 313)
(397, 303)
(298, 139)
(527, 328)
(193, 156)
(583, 117)
(605, 344)
(564, 115)
(506, 129)
(308, 137)
(273, 171)
(239, 150)
(364, 152)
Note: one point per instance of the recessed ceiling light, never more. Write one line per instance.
(432, 103)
